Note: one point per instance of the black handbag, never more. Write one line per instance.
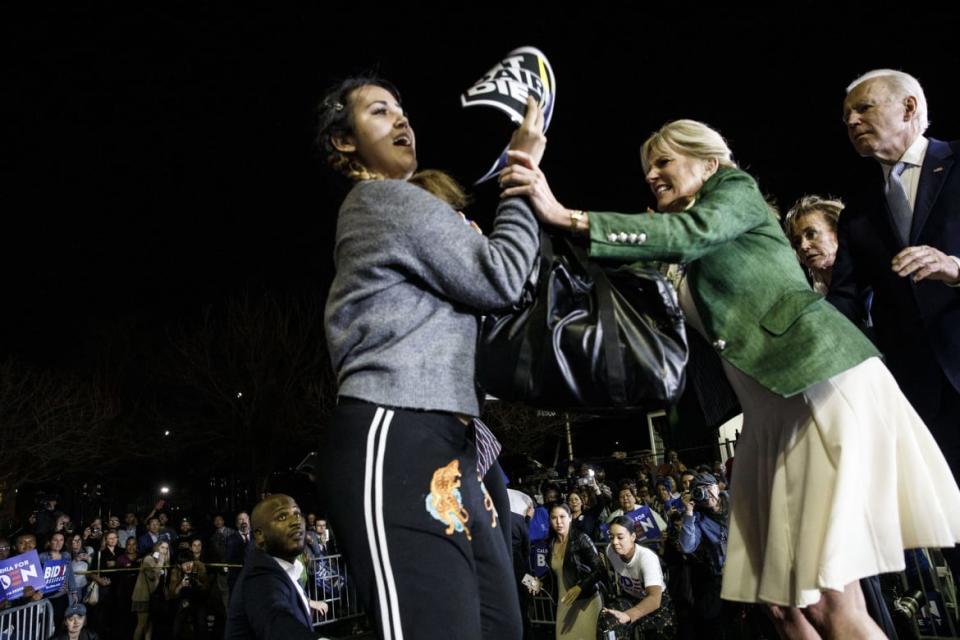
(586, 336)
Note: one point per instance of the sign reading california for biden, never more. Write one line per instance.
(18, 572)
(522, 72)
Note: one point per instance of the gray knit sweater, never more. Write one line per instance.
(412, 280)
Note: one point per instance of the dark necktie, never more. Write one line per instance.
(899, 204)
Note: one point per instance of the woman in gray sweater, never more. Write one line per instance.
(400, 465)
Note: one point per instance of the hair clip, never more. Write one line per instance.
(337, 106)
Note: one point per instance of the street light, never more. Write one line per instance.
(164, 490)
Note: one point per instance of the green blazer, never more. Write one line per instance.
(757, 308)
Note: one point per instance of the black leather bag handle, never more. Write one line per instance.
(613, 357)
(532, 335)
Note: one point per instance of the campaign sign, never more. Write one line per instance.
(540, 558)
(54, 574)
(643, 523)
(523, 72)
(18, 572)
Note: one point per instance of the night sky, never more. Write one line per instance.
(157, 160)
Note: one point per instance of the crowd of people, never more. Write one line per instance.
(140, 576)
(662, 581)
(837, 334)
(823, 414)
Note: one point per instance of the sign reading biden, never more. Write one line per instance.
(54, 574)
(19, 572)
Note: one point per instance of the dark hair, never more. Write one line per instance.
(335, 118)
(627, 486)
(184, 556)
(550, 486)
(624, 522)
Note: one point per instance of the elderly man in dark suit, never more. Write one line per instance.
(268, 602)
(906, 248)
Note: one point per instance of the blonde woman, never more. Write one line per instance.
(823, 418)
(148, 601)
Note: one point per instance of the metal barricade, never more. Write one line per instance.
(33, 621)
(331, 585)
(542, 607)
(927, 596)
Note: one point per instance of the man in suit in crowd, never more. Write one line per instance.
(905, 249)
(240, 544)
(268, 601)
(150, 537)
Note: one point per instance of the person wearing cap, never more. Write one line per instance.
(703, 534)
(185, 534)
(74, 625)
(188, 587)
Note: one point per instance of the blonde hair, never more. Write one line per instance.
(443, 186)
(900, 85)
(829, 207)
(350, 168)
(690, 138)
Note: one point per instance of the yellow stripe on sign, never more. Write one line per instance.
(545, 80)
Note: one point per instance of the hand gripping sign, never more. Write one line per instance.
(524, 71)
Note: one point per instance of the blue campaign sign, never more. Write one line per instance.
(643, 523)
(18, 572)
(540, 558)
(54, 574)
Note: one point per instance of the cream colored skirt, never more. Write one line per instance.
(831, 486)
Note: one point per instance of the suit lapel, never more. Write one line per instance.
(933, 173)
(265, 560)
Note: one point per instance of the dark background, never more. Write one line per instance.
(159, 160)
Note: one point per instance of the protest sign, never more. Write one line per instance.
(522, 72)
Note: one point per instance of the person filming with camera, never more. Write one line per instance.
(703, 535)
(188, 589)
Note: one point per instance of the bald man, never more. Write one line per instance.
(268, 602)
